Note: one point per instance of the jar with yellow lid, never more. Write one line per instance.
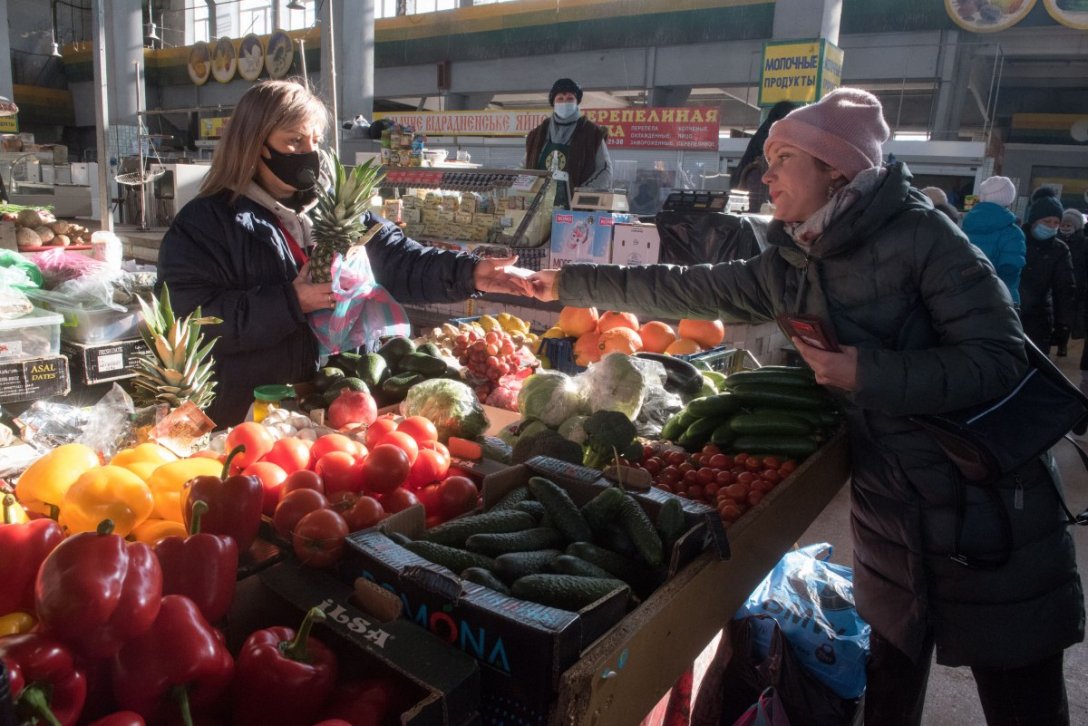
(270, 397)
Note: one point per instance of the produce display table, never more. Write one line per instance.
(622, 676)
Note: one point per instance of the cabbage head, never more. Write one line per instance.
(572, 429)
(452, 407)
(549, 396)
(615, 383)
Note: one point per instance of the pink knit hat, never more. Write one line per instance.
(844, 129)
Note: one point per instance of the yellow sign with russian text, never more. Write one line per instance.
(799, 71)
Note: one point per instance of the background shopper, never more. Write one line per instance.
(1047, 285)
(992, 227)
(1071, 232)
(940, 203)
(748, 174)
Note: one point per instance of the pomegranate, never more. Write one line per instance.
(352, 407)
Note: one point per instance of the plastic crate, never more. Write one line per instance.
(34, 335)
(560, 354)
(88, 323)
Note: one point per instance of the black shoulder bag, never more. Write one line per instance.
(992, 439)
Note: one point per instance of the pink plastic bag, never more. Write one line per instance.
(767, 711)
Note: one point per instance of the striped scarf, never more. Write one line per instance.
(807, 232)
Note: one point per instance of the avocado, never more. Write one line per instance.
(395, 349)
(429, 349)
(373, 369)
(326, 377)
(334, 390)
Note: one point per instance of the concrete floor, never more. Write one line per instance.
(952, 699)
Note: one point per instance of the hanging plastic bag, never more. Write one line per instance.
(767, 711)
(18, 271)
(813, 602)
(364, 312)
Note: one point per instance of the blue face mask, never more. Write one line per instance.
(1042, 232)
(565, 109)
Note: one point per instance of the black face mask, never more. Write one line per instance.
(298, 171)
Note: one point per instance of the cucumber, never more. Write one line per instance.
(486, 578)
(619, 566)
(456, 531)
(562, 510)
(527, 540)
(513, 565)
(418, 362)
(714, 378)
(723, 435)
(762, 424)
(800, 377)
(670, 524)
(680, 376)
(720, 404)
(571, 565)
(602, 509)
(779, 396)
(567, 592)
(637, 524)
(698, 434)
(675, 426)
(532, 507)
(451, 557)
(790, 446)
(512, 499)
(615, 538)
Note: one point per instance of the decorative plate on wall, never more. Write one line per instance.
(280, 54)
(250, 57)
(224, 60)
(200, 63)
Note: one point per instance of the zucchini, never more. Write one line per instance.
(513, 565)
(567, 592)
(720, 404)
(801, 377)
(451, 557)
(680, 376)
(486, 578)
(527, 540)
(779, 396)
(456, 531)
(670, 523)
(622, 567)
(637, 524)
(562, 511)
(571, 565)
(698, 434)
(790, 446)
(760, 424)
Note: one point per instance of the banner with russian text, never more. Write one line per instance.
(799, 71)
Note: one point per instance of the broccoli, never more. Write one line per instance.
(608, 433)
(546, 442)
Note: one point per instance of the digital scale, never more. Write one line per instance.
(597, 200)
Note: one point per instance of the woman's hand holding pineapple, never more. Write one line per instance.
(312, 295)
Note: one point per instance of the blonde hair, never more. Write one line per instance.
(265, 107)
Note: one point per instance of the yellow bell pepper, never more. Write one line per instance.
(148, 453)
(143, 469)
(44, 484)
(106, 492)
(167, 481)
(153, 530)
(16, 623)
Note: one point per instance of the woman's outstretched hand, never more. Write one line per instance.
(544, 285)
(498, 274)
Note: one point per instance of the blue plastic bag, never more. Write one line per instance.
(812, 601)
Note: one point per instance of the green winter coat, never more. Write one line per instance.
(935, 331)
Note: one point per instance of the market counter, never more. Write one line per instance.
(621, 676)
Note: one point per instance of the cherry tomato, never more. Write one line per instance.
(329, 443)
(257, 440)
(318, 538)
(696, 460)
(720, 461)
(359, 511)
(406, 443)
(457, 495)
(729, 513)
(724, 478)
(272, 478)
(711, 450)
(379, 429)
(711, 490)
(753, 463)
(386, 468)
(340, 472)
(771, 475)
(691, 476)
(676, 458)
(747, 477)
(755, 497)
(739, 459)
(771, 462)
(706, 475)
(419, 428)
(398, 500)
(664, 486)
(429, 467)
(293, 507)
(738, 491)
(686, 467)
(289, 453)
(695, 492)
(671, 474)
(653, 464)
(787, 467)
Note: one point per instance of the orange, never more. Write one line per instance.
(576, 322)
(613, 319)
(587, 349)
(707, 333)
(619, 340)
(656, 336)
(683, 346)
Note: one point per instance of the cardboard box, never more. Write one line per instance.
(635, 244)
(30, 380)
(581, 237)
(447, 681)
(103, 362)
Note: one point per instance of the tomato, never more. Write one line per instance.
(386, 468)
(753, 463)
(329, 443)
(318, 538)
(711, 450)
(293, 507)
(256, 438)
(429, 467)
(406, 443)
(664, 486)
(771, 462)
(648, 452)
(729, 512)
(695, 492)
(457, 495)
(747, 477)
(740, 459)
(398, 500)
(686, 467)
(696, 460)
(303, 479)
(676, 458)
(671, 474)
(428, 497)
(339, 472)
(272, 478)
(358, 510)
(738, 491)
(720, 461)
(724, 478)
(706, 475)
(787, 467)
(691, 476)
(771, 475)
(419, 428)
(289, 453)
(711, 490)
(435, 446)
(377, 430)
(755, 497)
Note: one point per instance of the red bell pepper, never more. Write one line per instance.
(120, 718)
(367, 702)
(203, 567)
(283, 677)
(181, 659)
(43, 679)
(235, 503)
(25, 546)
(95, 591)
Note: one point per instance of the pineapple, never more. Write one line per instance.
(177, 368)
(338, 216)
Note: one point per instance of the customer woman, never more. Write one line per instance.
(924, 326)
(239, 250)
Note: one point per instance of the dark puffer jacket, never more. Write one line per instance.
(1047, 289)
(233, 261)
(935, 331)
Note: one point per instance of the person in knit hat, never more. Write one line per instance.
(1047, 283)
(940, 202)
(569, 142)
(992, 227)
(915, 322)
(1071, 232)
